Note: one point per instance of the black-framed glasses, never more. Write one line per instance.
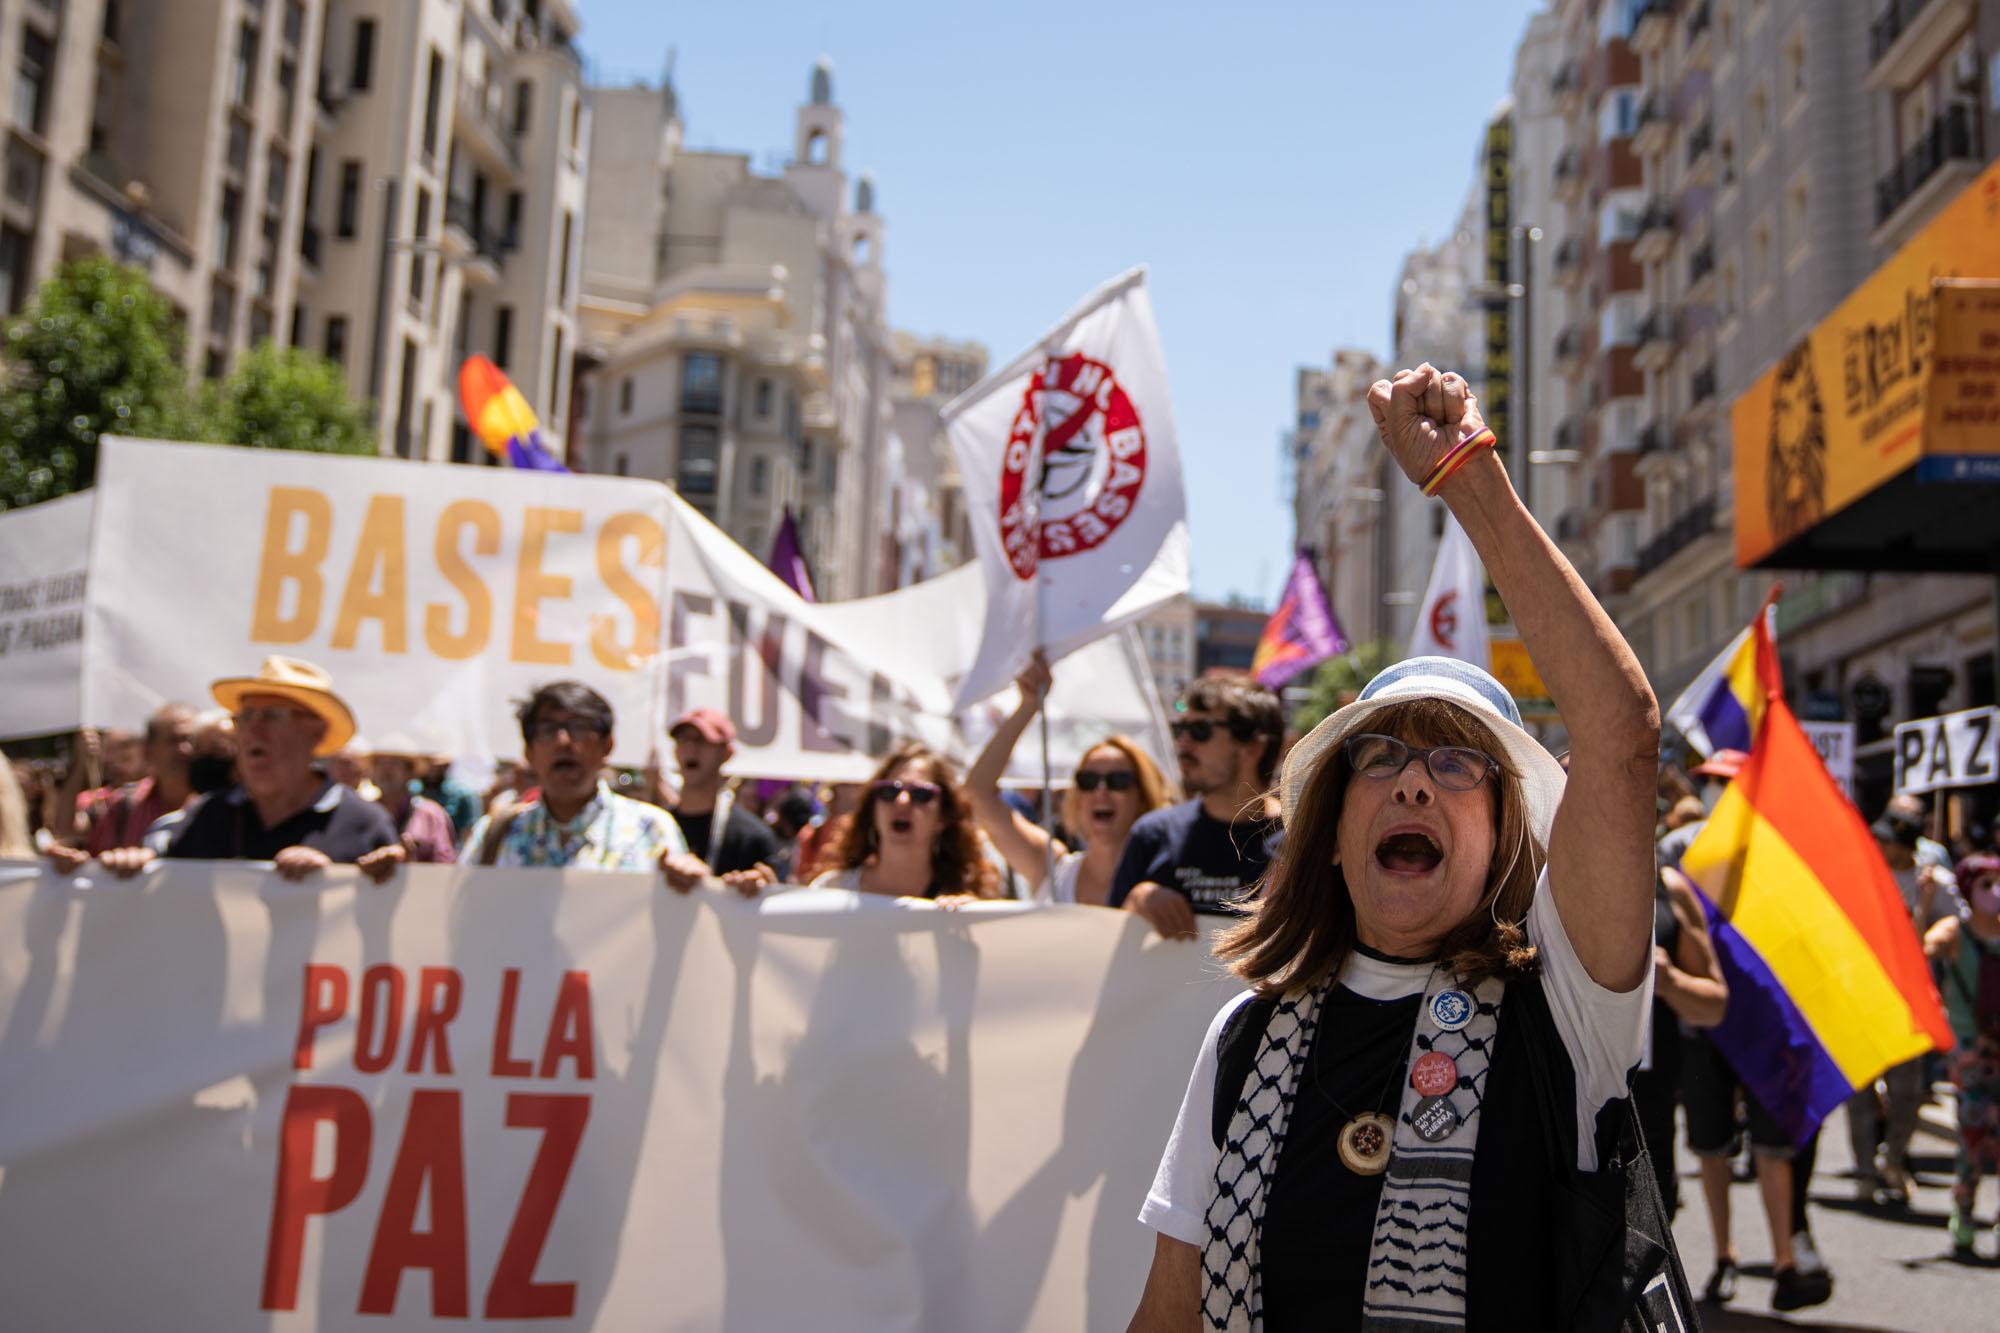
(548, 728)
(1123, 779)
(920, 793)
(1453, 767)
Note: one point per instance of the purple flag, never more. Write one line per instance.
(1301, 633)
(787, 561)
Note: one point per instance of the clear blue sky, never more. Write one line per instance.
(1270, 164)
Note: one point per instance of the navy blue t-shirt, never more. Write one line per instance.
(1209, 861)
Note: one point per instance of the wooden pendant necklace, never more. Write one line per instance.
(1366, 1138)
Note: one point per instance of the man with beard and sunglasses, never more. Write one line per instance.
(1208, 853)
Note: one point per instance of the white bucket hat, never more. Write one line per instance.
(1453, 682)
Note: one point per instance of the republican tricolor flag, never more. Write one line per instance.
(501, 417)
(1828, 986)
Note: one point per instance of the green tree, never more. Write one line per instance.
(97, 351)
(1339, 679)
(281, 397)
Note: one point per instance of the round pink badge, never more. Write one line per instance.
(1434, 1074)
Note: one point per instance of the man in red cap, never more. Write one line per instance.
(736, 846)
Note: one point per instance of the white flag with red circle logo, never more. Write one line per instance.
(1452, 620)
(1072, 477)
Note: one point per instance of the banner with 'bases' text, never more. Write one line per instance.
(575, 1101)
(439, 596)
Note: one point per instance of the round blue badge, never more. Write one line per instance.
(1451, 1009)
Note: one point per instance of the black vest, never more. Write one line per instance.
(1550, 1247)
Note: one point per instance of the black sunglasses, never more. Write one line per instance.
(1454, 767)
(1122, 780)
(1201, 729)
(920, 793)
(547, 729)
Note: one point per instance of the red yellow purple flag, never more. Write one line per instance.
(1301, 633)
(1827, 981)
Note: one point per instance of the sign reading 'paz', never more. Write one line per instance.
(1875, 442)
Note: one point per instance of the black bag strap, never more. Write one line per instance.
(1620, 1267)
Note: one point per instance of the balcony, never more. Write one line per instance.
(1569, 173)
(1701, 395)
(1655, 125)
(488, 135)
(1656, 340)
(1568, 351)
(1654, 439)
(1701, 273)
(1656, 231)
(1683, 532)
(1932, 168)
(1566, 88)
(1908, 37)
(1700, 156)
(1569, 262)
(1566, 436)
(1700, 46)
(1652, 25)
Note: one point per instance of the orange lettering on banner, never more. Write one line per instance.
(485, 525)
(370, 1056)
(514, 1294)
(279, 564)
(379, 551)
(437, 1004)
(505, 1064)
(300, 1194)
(432, 1155)
(325, 1001)
(638, 599)
(569, 1029)
(533, 584)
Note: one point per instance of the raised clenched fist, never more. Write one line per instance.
(1421, 414)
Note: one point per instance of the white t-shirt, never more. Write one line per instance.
(1063, 888)
(1603, 1031)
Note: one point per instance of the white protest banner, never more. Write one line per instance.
(1072, 476)
(1951, 750)
(1835, 743)
(1451, 621)
(44, 550)
(1102, 688)
(575, 1101)
(436, 596)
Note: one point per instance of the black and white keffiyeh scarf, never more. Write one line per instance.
(1416, 1258)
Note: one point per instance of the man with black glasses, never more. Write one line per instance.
(577, 820)
(1208, 852)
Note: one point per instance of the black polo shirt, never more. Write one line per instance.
(339, 824)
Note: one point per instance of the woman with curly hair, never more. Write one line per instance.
(913, 835)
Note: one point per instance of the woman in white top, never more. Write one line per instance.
(1115, 783)
(912, 836)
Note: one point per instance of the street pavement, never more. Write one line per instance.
(1893, 1271)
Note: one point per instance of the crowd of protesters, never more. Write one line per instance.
(277, 770)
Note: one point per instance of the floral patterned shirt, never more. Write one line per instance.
(613, 832)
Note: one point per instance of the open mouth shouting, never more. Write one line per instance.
(1409, 850)
(901, 825)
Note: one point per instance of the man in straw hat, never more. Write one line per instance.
(1450, 971)
(282, 808)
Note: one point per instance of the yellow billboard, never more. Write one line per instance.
(1856, 402)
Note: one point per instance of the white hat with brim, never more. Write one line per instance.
(1453, 682)
(301, 682)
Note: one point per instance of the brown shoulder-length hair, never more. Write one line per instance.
(1152, 786)
(1300, 930)
(957, 863)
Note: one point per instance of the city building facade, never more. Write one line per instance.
(1168, 635)
(395, 183)
(735, 333)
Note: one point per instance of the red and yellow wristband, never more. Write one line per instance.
(1460, 454)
